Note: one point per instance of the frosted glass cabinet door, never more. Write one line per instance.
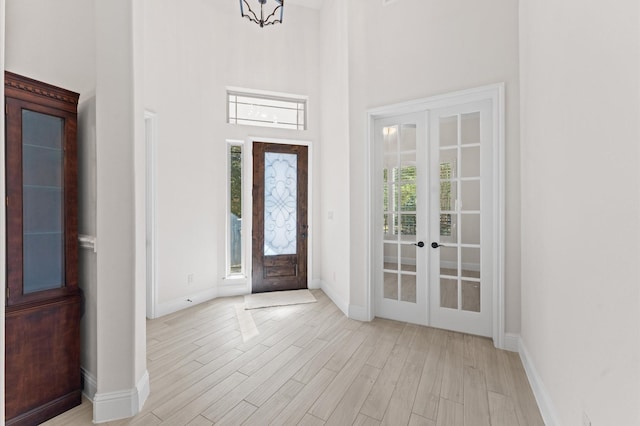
(43, 201)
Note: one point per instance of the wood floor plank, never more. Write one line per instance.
(299, 405)
(199, 421)
(476, 403)
(349, 406)
(237, 415)
(274, 405)
(344, 353)
(309, 371)
(403, 397)
(218, 410)
(261, 393)
(309, 420)
(452, 375)
(417, 420)
(450, 413)
(193, 409)
(331, 397)
(380, 395)
(363, 420)
(501, 410)
(428, 393)
(172, 402)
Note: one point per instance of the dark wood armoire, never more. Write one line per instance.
(43, 304)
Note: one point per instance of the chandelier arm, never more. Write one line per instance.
(255, 17)
(266, 21)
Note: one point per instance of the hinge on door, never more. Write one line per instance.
(7, 201)
(8, 293)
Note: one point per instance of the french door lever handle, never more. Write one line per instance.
(419, 244)
(435, 245)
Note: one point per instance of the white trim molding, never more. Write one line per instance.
(545, 404)
(88, 242)
(184, 302)
(90, 385)
(121, 404)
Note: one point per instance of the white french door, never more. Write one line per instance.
(461, 218)
(401, 194)
(435, 215)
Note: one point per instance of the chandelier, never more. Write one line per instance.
(270, 16)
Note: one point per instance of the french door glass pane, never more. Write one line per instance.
(399, 200)
(448, 293)
(470, 128)
(470, 162)
(408, 288)
(42, 202)
(471, 296)
(459, 206)
(280, 203)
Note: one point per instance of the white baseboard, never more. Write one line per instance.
(547, 409)
(315, 284)
(112, 406)
(233, 290)
(90, 385)
(511, 342)
(358, 313)
(184, 302)
(328, 289)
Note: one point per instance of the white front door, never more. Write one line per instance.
(461, 218)
(400, 193)
(436, 218)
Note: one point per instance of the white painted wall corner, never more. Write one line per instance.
(342, 304)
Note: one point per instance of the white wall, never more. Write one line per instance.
(193, 50)
(52, 42)
(581, 206)
(413, 49)
(335, 195)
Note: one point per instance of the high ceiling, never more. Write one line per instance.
(314, 4)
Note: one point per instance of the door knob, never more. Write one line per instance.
(435, 245)
(419, 244)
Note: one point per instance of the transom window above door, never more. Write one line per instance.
(266, 109)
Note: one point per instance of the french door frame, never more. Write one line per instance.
(495, 94)
(247, 208)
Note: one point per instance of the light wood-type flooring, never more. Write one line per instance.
(310, 365)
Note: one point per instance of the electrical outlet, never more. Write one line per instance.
(190, 278)
(585, 420)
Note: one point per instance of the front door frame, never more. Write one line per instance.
(248, 204)
(494, 93)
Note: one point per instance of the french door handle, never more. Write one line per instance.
(419, 244)
(435, 245)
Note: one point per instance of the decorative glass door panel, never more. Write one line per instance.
(401, 289)
(280, 203)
